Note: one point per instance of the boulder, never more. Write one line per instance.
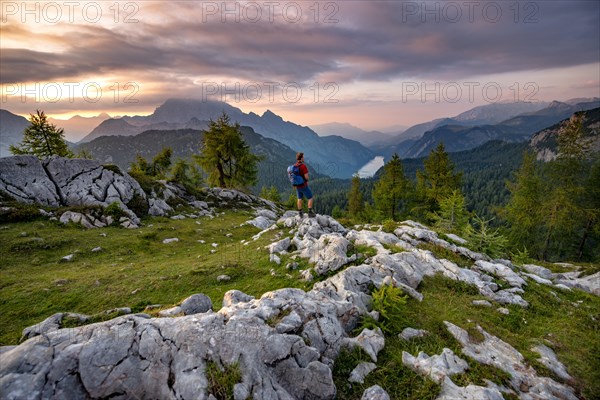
(196, 303)
(549, 360)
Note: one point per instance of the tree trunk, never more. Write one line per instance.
(586, 233)
(221, 175)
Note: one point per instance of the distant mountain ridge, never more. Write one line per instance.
(334, 155)
(460, 137)
(545, 144)
(11, 130)
(77, 126)
(352, 132)
(488, 114)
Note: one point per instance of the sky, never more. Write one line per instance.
(374, 64)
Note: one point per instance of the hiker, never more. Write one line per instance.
(299, 177)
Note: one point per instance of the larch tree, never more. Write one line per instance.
(523, 211)
(226, 157)
(42, 139)
(355, 198)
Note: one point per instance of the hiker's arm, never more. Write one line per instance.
(306, 177)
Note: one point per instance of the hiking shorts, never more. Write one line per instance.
(304, 191)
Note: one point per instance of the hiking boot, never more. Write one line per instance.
(301, 213)
(311, 213)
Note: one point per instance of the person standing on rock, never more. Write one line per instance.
(298, 174)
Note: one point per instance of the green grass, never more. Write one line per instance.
(222, 380)
(570, 330)
(134, 268)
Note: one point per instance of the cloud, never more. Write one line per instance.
(177, 45)
(373, 40)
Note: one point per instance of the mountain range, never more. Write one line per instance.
(332, 155)
(476, 127)
(338, 156)
(367, 138)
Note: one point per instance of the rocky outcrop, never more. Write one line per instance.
(284, 343)
(524, 379)
(58, 181)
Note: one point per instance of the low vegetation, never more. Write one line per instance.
(132, 269)
(135, 269)
(568, 322)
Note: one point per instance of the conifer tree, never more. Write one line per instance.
(562, 205)
(392, 189)
(355, 198)
(161, 162)
(186, 174)
(42, 139)
(453, 215)
(437, 180)
(523, 211)
(226, 157)
(274, 195)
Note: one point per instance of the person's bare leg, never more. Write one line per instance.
(300, 204)
(310, 203)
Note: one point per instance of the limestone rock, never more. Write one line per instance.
(375, 393)
(411, 333)
(539, 271)
(371, 341)
(590, 283)
(232, 297)
(501, 271)
(549, 359)
(50, 324)
(280, 246)
(361, 371)
(495, 352)
(25, 179)
(437, 368)
(171, 312)
(158, 207)
(196, 303)
(450, 391)
(59, 181)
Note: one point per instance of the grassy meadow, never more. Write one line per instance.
(134, 268)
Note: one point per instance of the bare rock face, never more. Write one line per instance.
(59, 181)
(25, 179)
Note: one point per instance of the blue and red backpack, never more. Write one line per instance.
(296, 179)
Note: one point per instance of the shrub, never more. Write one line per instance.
(114, 210)
(18, 212)
(139, 205)
(114, 168)
(389, 302)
